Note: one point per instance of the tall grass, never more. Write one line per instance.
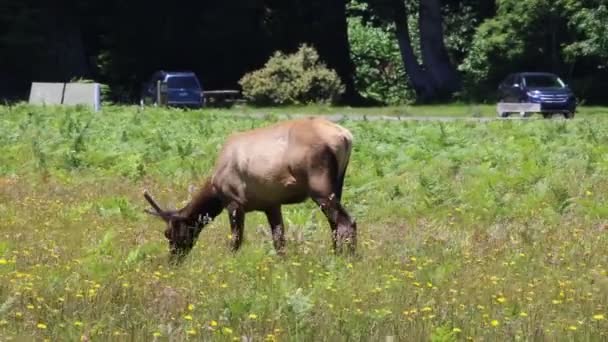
(482, 231)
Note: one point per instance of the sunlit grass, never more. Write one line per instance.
(483, 231)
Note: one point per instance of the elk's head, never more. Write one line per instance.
(181, 231)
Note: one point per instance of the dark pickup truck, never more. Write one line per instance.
(178, 89)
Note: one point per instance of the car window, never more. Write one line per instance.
(543, 81)
(182, 82)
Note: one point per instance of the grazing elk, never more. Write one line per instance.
(263, 169)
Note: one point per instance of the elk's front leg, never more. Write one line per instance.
(236, 215)
(344, 228)
(275, 219)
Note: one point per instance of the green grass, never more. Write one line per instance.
(484, 231)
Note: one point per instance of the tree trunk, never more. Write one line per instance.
(334, 48)
(71, 61)
(434, 53)
(418, 77)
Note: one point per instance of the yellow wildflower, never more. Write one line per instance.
(494, 323)
(3, 261)
(253, 316)
(191, 332)
(41, 326)
(188, 317)
(157, 334)
(456, 330)
(227, 330)
(78, 323)
(213, 323)
(501, 299)
(572, 327)
(599, 317)
(190, 307)
(523, 314)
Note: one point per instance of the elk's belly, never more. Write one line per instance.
(264, 193)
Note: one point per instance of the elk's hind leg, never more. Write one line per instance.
(322, 182)
(236, 215)
(344, 228)
(275, 219)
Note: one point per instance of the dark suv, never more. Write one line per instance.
(181, 89)
(546, 89)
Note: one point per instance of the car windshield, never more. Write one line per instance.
(543, 81)
(182, 82)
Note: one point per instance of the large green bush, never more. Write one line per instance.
(298, 78)
(380, 73)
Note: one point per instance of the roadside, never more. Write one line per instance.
(473, 112)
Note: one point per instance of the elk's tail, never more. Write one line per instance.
(341, 174)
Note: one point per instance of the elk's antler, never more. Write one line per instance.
(153, 203)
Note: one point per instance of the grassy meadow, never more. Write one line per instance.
(486, 231)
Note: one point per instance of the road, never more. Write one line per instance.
(392, 118)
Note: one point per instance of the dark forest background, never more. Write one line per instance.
(385, 51)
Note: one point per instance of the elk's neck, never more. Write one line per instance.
(205, 203)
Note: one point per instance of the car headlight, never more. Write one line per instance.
(533, 94)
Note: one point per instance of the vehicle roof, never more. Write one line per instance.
(536, 74)
(178, 73)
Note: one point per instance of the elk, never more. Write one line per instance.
(263, 169)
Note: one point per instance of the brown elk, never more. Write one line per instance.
(263, 169)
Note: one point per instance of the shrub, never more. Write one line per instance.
(380, 73)
(299, 78)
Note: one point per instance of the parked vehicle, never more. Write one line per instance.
(179, 89)
(546, 89)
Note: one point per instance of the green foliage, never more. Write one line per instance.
(443, 334)
(460, 22)
(299, 78)
(380, 73)
(592, 23)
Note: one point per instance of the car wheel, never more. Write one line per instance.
(502, 114)
(547, 115)
(569, 115)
